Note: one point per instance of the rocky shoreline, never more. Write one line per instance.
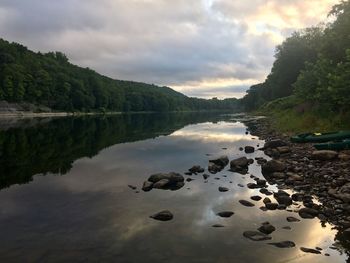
(322, 174)
(310, 183)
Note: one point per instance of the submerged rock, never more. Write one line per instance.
(256, 236)
(283, 244)
(225, 214)
(223, 189)
(163, 216)
(310, 250)
(246, 203)
(266, 228)
(206, 176)
(218, 225)
(292, 219)
(132, 187)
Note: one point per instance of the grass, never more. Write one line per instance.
(287, 117)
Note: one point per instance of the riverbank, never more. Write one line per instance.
(311, 173)
(51, 114)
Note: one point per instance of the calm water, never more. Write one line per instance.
(64, 194)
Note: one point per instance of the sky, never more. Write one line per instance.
(202, 48)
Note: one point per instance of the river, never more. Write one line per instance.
(65, 197)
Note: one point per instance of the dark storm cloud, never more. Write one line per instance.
(172, 43)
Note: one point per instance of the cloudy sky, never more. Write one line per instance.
(203, 48)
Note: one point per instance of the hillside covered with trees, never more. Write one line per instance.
(52, 81)
(311, 72)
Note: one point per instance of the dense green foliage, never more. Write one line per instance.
(313, 65)
(50, 80)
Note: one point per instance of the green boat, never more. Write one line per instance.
(337, 146)
(321, 137)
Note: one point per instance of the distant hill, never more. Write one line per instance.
(50, 80)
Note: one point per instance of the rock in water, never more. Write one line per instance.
(161, 184)
(256, 236)
(218, 225)
(266, 200)
(172, 181)
(147, 186)
(310, 250)
(223, 189)
(324, 155)
(308, 213)
(240, 165)
(256, 198)
(163, 216)
(206, 176)
(246, 203)
(225, 214)
(222, 161)
(132, 187)
(218, 164)
(196, 169)
(292, 219)
(266, 228)
(249, 149)
(283, 244)
(271, 206)
(172, 177)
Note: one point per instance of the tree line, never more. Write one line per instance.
(51, 80)
(312, 65)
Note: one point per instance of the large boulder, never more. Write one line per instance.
(171, 181)
(273, 166)
(324, 155)
(172, 177)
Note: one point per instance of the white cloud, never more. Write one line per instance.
(192, 46)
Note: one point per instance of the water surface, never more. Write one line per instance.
(65, 197)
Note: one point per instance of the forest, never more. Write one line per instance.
(52, 81)
(311, 69)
